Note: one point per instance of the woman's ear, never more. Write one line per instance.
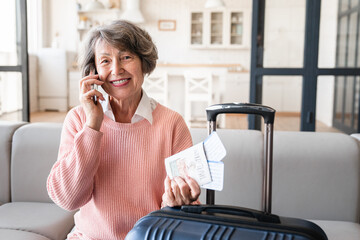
(86, 71)
(88, 68)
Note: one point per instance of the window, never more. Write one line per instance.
(14, 104)
(331, 57)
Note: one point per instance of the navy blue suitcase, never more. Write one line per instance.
(212, 221)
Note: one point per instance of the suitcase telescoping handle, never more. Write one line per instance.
(268, 114)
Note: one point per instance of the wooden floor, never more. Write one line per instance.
(47, 117)
(283, 122)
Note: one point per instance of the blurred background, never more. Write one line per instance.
(299, 57)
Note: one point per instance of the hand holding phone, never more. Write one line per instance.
(89, 97)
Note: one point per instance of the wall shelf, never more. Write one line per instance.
(89, 19)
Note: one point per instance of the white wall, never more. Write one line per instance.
(63, 21)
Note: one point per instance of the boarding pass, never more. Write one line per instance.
(202, 162)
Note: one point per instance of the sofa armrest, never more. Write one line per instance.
(34, 151)
(356, 135)
(7, 130)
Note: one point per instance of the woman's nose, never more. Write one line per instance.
(117, 68)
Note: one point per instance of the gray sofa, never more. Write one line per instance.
(316, 177)
(27, 153)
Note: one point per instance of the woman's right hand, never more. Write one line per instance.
(180, 191)
(94, 112)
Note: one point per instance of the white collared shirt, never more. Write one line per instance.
(144, 110)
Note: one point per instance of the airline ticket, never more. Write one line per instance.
(201, 162)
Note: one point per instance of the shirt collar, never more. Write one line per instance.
(144, 110)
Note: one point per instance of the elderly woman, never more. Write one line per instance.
(111, 156)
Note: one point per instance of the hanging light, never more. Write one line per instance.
(214, 3)
(94, 5)
(132, 12)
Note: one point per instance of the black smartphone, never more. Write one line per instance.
(95, 86)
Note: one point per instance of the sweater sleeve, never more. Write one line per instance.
(71, 179)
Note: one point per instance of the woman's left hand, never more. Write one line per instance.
(180, 191)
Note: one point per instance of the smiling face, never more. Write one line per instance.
(120, 70)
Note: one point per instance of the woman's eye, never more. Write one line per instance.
(126, 57)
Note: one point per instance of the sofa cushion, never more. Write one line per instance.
(35, 148)
(20, 235)
(45, 219)
(316, 176)
(242, 167)
(340, 230)
(7, 130)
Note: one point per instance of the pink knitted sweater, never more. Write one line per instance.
(115, 176)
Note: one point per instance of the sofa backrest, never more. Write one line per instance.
(7, 130)
(34, 151)
(316, 175)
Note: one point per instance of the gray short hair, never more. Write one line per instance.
(123, 35)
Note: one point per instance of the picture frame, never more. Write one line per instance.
(167, 25)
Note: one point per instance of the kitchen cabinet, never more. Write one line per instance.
(218, 29)
(236, 28)
(197, 31)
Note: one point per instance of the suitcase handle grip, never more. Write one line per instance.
(237, 211)
(266, 112)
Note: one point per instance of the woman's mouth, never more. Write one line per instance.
(121, 82)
